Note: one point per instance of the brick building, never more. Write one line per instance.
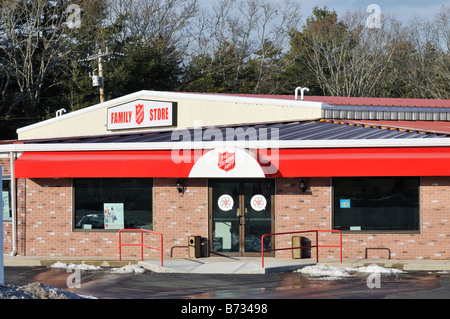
(230, 169)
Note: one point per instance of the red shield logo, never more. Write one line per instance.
(139, 114)
(226, 161)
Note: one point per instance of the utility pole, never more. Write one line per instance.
(99, 57)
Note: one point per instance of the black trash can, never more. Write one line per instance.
(301, 253)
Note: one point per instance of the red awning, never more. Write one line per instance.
(99, 164)
(432, 161)
(335, 162)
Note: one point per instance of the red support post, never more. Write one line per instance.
(141, 244)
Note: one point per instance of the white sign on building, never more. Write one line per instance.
(142, 114)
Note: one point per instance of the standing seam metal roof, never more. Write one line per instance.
(294, 130)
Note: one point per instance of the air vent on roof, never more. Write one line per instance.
(386, 113)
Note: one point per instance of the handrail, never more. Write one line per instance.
(141, 244)
(299, 232)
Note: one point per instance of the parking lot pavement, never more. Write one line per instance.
(108, 284)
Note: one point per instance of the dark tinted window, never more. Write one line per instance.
(113, 203)
(376, 203)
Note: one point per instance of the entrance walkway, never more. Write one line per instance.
(226, 265)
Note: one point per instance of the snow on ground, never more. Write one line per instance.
(129, 269)
(125, 269)
(68, 266)
(37, 290)
(324, 272)
(378, 269)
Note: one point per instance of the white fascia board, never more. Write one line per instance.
(187, 145)
(176, 95)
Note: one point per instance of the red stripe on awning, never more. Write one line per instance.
(99, 164)
(364, 162)
(289, 163)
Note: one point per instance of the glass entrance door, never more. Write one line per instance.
(240, 213)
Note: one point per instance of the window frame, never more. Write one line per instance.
(74, 229)
(375, 231)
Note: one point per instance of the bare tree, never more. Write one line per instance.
(427, 71)
(275, 22)
(150, 20)
(35, 42)
(237, 35)
(345, 56)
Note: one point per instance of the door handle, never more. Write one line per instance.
(240, 220)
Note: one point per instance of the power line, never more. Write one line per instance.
(100, 80)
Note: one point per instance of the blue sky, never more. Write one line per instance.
(404, 10)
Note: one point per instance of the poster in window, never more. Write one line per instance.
(113, 215)
(5, 197)
(345, 203)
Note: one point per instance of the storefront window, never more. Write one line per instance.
(376, 203)
(113, 203)
(6, 198)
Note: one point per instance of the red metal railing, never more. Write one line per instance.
(300, 232)
(141, 244)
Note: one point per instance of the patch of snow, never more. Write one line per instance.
(129, 269)
(378, 269)
(324, 272)
(124, 270)
(61, 265)
(36, 290)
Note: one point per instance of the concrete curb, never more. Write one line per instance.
(224, 265)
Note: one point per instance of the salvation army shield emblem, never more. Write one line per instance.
(227, 161)
(139, 114)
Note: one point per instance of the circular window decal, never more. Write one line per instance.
(225, 202)
(258, 202)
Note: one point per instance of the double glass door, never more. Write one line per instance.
(241, 211)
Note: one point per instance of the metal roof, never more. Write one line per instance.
(360, 101)
(369, 108)
(423, 126)
(285, 131)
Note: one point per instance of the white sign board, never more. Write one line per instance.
(113, 215)
(227, 162)
(142, 114)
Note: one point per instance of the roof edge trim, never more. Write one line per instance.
(175, 95)
(263, 144)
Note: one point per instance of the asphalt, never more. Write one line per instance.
(227, 265)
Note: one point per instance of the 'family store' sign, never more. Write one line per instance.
(142, 114)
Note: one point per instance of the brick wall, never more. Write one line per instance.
(180, 215)
(45, 221)
(312, 210)
(432, 242)
(4, 162)
(7, 226)
(302, 211)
